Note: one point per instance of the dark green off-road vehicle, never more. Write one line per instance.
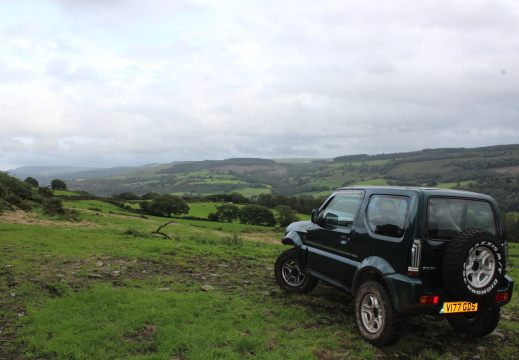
(401, 250)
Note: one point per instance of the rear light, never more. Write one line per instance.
(501, 296)
(429, 300)
(413, 270)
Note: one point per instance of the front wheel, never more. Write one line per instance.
(480, 323)
(289, 275)
(377, 321)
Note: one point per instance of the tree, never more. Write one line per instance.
(125, 196)
(58, 184)
(237, 198)
(168, 204)
(32, 181)
(256, 215)
(227, 213)
(286, 215)
(149, 195)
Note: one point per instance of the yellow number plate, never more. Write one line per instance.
(458, 307)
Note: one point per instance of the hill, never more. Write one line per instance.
(493, 170)
(45, 174)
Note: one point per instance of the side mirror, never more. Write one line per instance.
(315, 216)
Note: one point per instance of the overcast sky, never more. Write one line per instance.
(121, 82)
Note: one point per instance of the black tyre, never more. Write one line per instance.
(480, 323)
(376, 319)
(473, 266)
(289, 275)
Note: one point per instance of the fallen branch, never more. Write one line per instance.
(160, 233)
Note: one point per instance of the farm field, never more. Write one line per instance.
(106, 288)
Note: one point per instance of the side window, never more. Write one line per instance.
(387, 215)
(342, 209)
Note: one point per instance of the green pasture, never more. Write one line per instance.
(106, 288)
(452, 185)
(65, 193)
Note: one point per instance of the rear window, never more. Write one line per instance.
(447, 217)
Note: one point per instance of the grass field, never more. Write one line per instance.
(105, 288)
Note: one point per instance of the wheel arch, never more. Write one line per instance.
(292, 238)
(372, 268)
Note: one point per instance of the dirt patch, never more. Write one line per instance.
(261, 237)
(27, 218)
(97, 213)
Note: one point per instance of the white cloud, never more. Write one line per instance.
(125, 83)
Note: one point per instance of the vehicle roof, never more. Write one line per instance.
(428, 191)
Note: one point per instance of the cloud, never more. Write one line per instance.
(116, 82)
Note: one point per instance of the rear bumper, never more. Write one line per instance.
(407, 290)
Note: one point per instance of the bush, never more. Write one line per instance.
(18, 202)
(71, 215)
(232, 240)
(213, 217)
(45, 191)
(53, 206)
(286, 215)
(10, 185)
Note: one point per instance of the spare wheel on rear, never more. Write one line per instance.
(473, 266)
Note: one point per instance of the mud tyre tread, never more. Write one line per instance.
(389, 328)
(457, 279)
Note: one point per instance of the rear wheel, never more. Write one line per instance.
(480, 323)
(289, 275)
(376, 319)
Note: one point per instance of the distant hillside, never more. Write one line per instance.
(493, 170)
(47, 171)
(45, 174)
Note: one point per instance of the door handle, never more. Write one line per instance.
(344, 240)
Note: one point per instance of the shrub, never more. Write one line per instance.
(213, 217)
(232, 240)
(18, 202)
(71, 215)
(286, 215)
(53, 206)
(45, 191)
